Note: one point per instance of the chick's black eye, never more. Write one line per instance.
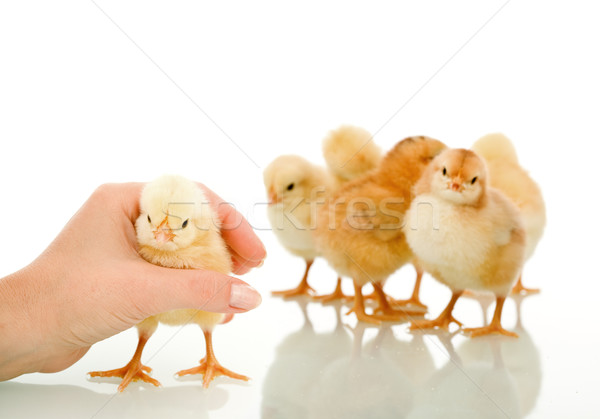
(474, 180)
(290, 186)
(185, 223)
(149, 220)
(444, 171)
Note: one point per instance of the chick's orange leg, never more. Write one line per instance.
(387, 310)
(495, 327)
(443, 320)
(414, 299)
(520, 289)
(337, 294)
(133, 371)
(210, 367)
(359, 309)
(302, 289)
(371, 296)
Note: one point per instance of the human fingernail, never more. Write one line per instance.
(264, 251)
(244, 297)
(262, 262)
(244, 269)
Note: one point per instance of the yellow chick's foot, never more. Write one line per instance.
(495, 327)
(519, 289)
(386, 309)
(337, 294)
(210, 367)
(490, 329)
(443, 321)
(414, 300)
(359, 309)
(302, 289)
(373, 319)
(133, 371)
(411, 303)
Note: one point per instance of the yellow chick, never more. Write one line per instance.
(178, 229)
(507, 175)
(360, 232)
(296, 188)
(466, 234)
(350, 152)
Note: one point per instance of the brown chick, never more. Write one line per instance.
(507, 175)
(466, 234)
(360, 232)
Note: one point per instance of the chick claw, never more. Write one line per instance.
(302, 289)
(211, 369)
(377, 319)
(134, 371)
(489, 330)
(337, 294)
(442, 322)
(411, 303)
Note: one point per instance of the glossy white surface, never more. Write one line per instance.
(305, 363)
(82, 105)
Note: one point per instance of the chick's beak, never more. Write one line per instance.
(456, 185)
(163, 232)
(273, 198)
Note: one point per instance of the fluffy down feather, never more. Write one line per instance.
(198, 245)
(465, 233)
(507, 175)
(350, 152)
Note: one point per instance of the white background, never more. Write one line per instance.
(117, 91)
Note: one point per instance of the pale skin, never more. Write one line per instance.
(90, 284)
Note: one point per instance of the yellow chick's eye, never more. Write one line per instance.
(185, 223)
(474, 180)
(290, 187)
(149, 220)
(444, 171)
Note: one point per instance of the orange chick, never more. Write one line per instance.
(507, 175)
(360, 232)
(178, 229)
(466, 234)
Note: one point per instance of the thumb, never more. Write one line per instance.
(167, 289)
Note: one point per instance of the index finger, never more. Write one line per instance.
(236, 231)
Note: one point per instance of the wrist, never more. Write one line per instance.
(21, 339)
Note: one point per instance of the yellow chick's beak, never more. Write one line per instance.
(273, 198)
(163, 232)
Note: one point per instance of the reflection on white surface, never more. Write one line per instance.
(520, 357)
(466, 388)
(65, 401)
(361, 385)
(299, 364)
(305, 362)
(317, 375)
